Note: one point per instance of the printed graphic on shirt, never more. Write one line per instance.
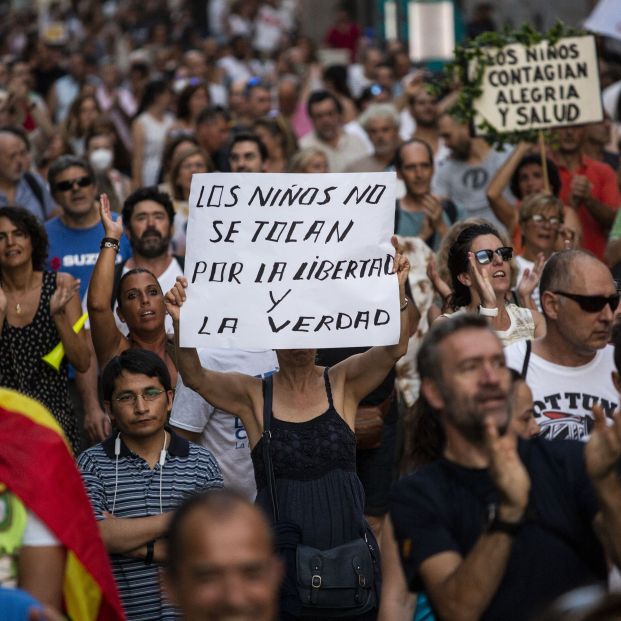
(567, 415)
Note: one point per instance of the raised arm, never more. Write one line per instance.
(107, 338)
(235, 393)
(364, 372)
(504, 210)
(461, 588)
(65, 309)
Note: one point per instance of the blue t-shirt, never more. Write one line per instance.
(76, 250)
(15, 604)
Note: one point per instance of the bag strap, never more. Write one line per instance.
(268, 389)
(529, 347)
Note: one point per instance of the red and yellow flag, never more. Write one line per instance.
(36, 464)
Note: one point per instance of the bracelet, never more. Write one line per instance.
(404, 305)
(150, 549)
(488, 312)
(110, 242)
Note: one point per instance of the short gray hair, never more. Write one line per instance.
(379, 111)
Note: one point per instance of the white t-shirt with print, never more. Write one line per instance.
(223, 434)
(563, 395)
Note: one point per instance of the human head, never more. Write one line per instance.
(173, 146)
(190, 161)
(148, 217)
(381, 123)
(459, 265)
(541, 236)
(27, 223)
(371, 58)
(521, 407)
(247, 153)
(258, 99)
(528, 177)
(83, 112)
(325, 112)
(288, 94)
(79, 200)
(456, 136)
(276, 135)
(463, 375)
(213, 128)
(221, 560)
(570, 139)
(137, 371)
(156, 92)
(576, 272)
(14, 154)
(414, 165)
(192, 99)
(423, 107)
(309, 160)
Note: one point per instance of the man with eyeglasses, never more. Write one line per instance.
(139, 475)
(569, 369)
(74, 239)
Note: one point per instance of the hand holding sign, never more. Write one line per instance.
(175, 298)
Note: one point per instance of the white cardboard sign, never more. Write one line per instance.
(540, 86)
(290, 261)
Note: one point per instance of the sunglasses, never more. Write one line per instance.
(81, 182)
(537, 218)
(592, 303)
(484, 257)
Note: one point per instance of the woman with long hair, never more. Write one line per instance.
(149, 130)
(37, 311)
(480, 267)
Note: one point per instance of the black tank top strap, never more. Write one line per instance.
(326, 379)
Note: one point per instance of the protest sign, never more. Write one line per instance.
(290, 261)
(539, 86)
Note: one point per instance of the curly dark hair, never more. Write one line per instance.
(27, 223)
(458, 260)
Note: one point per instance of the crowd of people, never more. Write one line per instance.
(467, 472)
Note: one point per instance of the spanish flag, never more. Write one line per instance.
(37, 465)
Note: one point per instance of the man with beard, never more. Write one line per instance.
(499, 526)
(465, 175)
(381, 123)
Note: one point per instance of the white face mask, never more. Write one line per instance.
(101, 159)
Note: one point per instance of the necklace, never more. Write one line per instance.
(18, 308)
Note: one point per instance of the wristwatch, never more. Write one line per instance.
(497, 525)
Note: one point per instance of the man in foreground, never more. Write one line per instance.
(498, 527)
(221, 560)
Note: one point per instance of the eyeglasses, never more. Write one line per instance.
(81, 182)
(537, 218)
(129, 398)
(592, 303)
(486, 256)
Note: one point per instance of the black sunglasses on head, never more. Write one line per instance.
(592, 303)
(486, 256)
(81, 182)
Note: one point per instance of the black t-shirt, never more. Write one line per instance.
(445, 507)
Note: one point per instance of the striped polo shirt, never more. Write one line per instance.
(188, 469)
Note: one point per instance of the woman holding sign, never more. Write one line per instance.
(313, 445)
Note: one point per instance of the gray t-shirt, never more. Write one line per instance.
(465, 184)
(223, 434)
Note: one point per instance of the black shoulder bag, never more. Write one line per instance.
(338, 582)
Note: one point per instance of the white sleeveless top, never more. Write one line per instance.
(154, 138)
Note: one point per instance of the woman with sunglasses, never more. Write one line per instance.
(480, 266)
(37, 311)
(541, 220)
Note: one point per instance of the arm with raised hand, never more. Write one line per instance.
(65, 309)
(104, 332)
(234, 393)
